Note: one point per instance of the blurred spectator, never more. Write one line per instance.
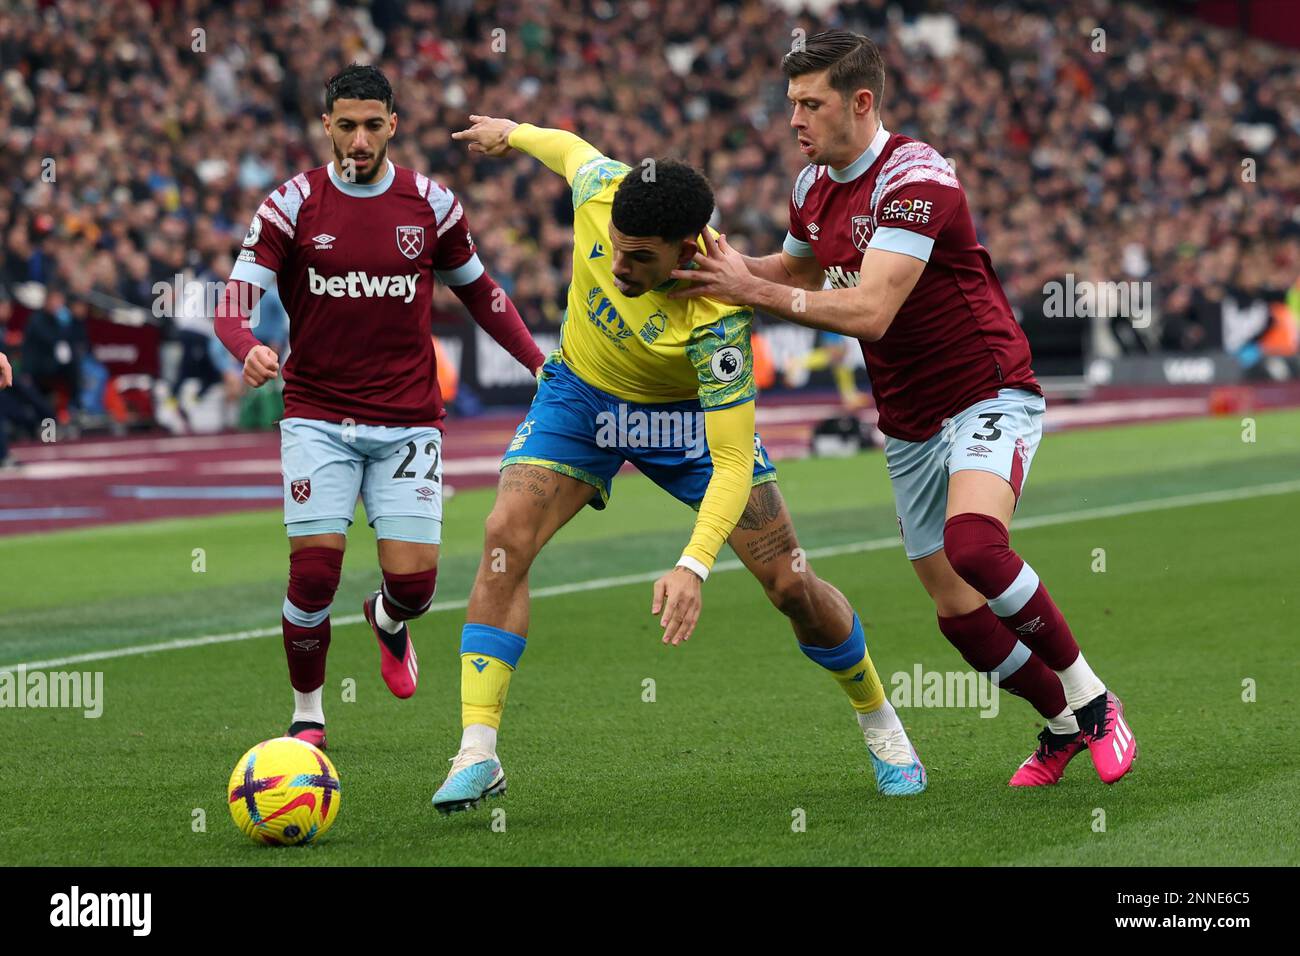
(54, 345)
(22, 407)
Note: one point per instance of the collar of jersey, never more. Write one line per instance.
(669, 284)
(860, 165)
(364, 190)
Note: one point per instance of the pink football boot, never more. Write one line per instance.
(1045, 766)
(1111, 743)
(403, 675)
(313, 734)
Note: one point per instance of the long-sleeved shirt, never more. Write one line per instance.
(355, 266)
(650, 348)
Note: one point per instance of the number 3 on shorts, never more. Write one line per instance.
(990, 420)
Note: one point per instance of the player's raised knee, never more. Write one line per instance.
(407, 596)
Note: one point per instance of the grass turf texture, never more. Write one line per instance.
(743, 730)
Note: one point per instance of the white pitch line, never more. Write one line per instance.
(600, 584)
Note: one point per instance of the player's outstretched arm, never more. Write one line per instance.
(799, 272)
(561, 151)
(864, 311)
(489, 135)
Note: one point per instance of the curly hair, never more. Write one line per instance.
(666, 198)
(357, 82)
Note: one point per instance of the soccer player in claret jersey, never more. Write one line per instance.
(629, 353)
(884, 217)
(355, 247)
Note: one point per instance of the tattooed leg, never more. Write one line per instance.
(766, 543)
(829, 634)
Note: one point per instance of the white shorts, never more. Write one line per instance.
(999, 435)
(396, 471)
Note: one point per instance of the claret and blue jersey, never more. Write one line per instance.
(955, 341)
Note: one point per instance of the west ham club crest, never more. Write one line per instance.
(300, 488)
(410, 240)
(861, 232)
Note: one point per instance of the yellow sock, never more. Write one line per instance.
(484, 683)
(488, 656)
(862, 684)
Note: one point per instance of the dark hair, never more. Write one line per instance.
(674, 203)
(853, 60)
(357, 82)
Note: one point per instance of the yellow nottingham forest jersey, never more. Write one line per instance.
(645, 349)
(653, 348)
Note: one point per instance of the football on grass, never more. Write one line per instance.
(284, 792)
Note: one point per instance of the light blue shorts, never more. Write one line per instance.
(998, 435)
(396, 471)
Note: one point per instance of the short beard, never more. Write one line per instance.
(357, 176)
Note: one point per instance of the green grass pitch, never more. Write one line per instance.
(1197, 602)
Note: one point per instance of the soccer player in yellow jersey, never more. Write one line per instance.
(666, 384)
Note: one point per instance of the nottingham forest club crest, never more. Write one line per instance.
(410, 240)
(653, 326)
(861, 232)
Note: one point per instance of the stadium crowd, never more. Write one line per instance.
(143, 135)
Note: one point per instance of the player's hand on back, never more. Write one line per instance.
(6, 373)
(261, 364)
(489, 135)
(677, 596)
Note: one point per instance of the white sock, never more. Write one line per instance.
(885, 718)
(382, 618)
(1080, 683)
(308, 706)
(479, 737)
(1064, 723)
